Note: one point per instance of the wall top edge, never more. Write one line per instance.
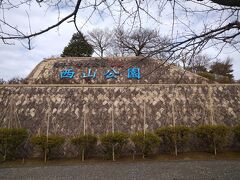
(109, 85)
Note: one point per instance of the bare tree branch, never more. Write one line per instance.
(23, 36)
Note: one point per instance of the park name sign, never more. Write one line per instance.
(110, 71)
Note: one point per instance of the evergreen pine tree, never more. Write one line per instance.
(223, 68)
(78, 47)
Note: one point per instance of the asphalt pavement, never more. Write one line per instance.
(149, 170)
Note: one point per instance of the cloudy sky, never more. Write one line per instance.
(17, 61)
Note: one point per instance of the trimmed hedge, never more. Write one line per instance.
(145, 143)
(10, 141)
(113, 143)
(47, 144)
(84, 143)
(213, 136)
(174, 138)
(171, 139)
(236, 133)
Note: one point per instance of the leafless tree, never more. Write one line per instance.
(184, 61)
(198, 62)
(143, 42)
(220, 25)
(116, 50)
(101, 40)
(2, 81)
(16, 80)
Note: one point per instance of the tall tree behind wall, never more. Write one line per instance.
(101, 40)
(224, 69)
(78, 47)
(141, 42)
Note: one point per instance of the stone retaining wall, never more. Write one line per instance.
(72, 109)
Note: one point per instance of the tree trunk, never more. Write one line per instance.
(5, 154)
(45, 155)
(113, 153)
(215, 148)
(138, 53)
(175, 147)
(83, 155)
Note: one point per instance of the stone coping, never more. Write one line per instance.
(110, 85)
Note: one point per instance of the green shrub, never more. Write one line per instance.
(84, 143)
(145, 143)
(173, 138)
(47, 144)
(224, 80)
(10, 141)
(113, 143)
(236, 132)
(214, 137)
(207, 75)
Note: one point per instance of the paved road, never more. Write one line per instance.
(124, 170)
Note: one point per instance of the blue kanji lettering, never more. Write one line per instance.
(89, 74)
(68, 73)
(111, 74)
(134, 73)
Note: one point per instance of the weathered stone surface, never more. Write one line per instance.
(73, 109)
(152, 71)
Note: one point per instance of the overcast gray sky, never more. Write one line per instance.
(17, 61)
